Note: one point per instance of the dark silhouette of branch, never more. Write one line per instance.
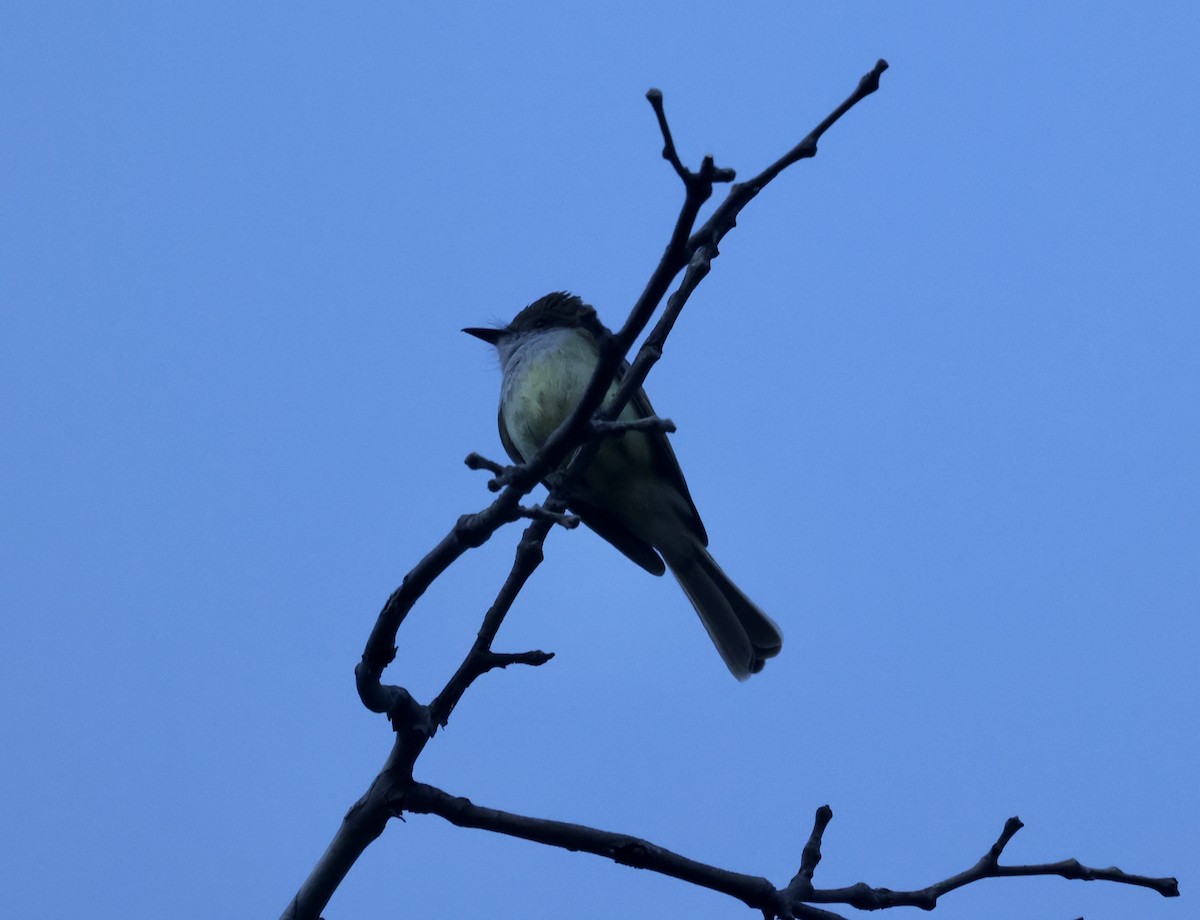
(793, 901)
(811, 854)
(866, 897)
(689, 251)
(622, 848)
(650, 423)
(538, 512)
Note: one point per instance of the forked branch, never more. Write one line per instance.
(689, 251)
(796, 900)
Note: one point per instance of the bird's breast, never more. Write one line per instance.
(544, 380)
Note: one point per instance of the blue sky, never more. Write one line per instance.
(937, 404)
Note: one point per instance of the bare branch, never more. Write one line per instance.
(539, 512)
(864, 897)
(528, 558)
(476, 461)
(409, 719)
(811, 855)
(361, 826)
(669, 153)
(649, 423)
(795, 901)
(683, 251)
(701, 247)
(501, 473)
(535, 659)
(622, 848)
(691, 252)
(724, 218)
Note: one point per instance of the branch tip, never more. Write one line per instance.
(1011, 826)
(648, 424)
(655, 97)
(870, 81)
(541, 513)
(501, 475)
(810, 856)
(534, 659)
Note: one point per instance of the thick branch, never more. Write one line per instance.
(621, 848)
(528, 558)
(359, 829)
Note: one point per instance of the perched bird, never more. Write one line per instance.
(633, 493)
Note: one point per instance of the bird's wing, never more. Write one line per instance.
(664, 456)
(509, 447)
(608, 526)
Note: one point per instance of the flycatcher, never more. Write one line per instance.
(633, 493)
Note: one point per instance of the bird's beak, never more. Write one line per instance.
(491, 336)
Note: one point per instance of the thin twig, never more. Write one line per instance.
(501, 472)
(535, 658)
(649, 423)
(810, 856)
(865, 897)
(669, 153)
(540, 512)
(476, 461)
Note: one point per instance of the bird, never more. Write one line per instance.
(633, 493)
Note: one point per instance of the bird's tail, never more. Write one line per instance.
(744, 635)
